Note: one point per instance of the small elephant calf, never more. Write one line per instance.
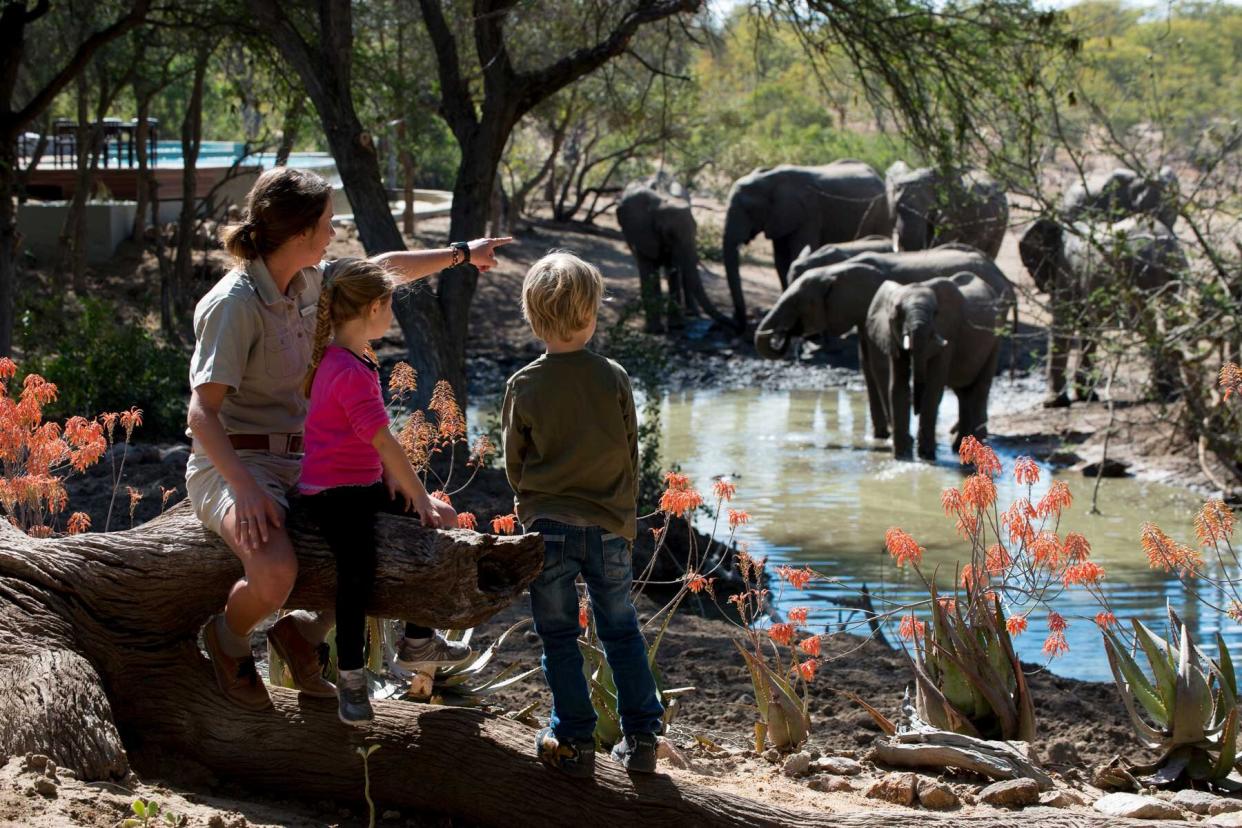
(944, 332)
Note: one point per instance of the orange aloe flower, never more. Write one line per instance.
(737, 518)
(724, 489)
(504, 524)
(1026, 471)
(135, 497)
(1235, 611)
(797, 578)
(952, 503)
(8, 368)
(1230, 378)
(78, 523)
(1047, 550)
(782, 634)
(583, 613)
(1214, 523)
(1017, 521)
(979, 491)
(974, 453)
(1055, 645)
(1105, 620)
(902, 547)
(997, 559)
(1016, 624)
(797, 615)
(1055, 500)
(1087, 572)
(467, 520)
(165, 494)
(696, 583)
(1077, 548)
(807, 669)
(1165, 553)
(441, 496)
(1055, 622)
(911, 627)
(810, 646)
(403, 380)
(130, 420)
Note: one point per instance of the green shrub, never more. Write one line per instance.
(100, 364)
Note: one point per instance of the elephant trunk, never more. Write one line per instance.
(912, 230)
(737, 232)
(770, 344)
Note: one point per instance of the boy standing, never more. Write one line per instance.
(571, 454)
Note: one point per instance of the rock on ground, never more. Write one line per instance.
(798, 764)
(937, 796)
(1062, 798)
(1011, 793)
(831, 784)
(1199, 802)
(897, 788)
(837, 765)
(1134, 806)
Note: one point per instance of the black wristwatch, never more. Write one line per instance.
(464, 249)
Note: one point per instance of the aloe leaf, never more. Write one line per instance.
(654, 646)
(1117, 656)
(1163, 663)
(756, 682)
(496, 686)
(937, 710)
(1136, 680)
(1224, 668)
(1228, 747)
(1193, 703)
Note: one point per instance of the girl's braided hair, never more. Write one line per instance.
(349, 290)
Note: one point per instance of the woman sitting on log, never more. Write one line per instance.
(253, 333)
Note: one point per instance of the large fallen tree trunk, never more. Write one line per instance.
(100, 666)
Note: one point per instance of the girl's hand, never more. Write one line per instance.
(483, 252)
(253, 509)
(435, 514)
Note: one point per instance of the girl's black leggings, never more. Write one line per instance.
(346, 516)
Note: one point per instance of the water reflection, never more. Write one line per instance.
(821, 492)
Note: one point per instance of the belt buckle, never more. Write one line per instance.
(278, 443)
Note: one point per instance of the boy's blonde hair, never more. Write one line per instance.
(560, 295)
(346, 294)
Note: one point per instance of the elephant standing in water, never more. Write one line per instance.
(834, 300)
(1116, 194)
(658, 226)
(836, 252)
(940, 333)
(799, 207)
(1096, 274)
(929, 209)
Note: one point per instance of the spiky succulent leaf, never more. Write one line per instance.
(1135, 681)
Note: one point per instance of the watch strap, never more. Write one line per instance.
(463, 248)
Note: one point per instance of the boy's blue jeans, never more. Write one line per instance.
(605, 564)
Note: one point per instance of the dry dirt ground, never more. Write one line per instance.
(1081, 725)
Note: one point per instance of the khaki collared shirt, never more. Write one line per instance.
(257, 341)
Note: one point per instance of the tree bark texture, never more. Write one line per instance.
(100, 664)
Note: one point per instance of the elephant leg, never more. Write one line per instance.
(676, 297)
(649, 291)
(899, 406)
(877, 385)
(783, 253)
(973, 403)
(1085, 378)
(1059, 344)
(932, 389)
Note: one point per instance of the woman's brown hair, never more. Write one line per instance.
(282, 203)
(350, 289)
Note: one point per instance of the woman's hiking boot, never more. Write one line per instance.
(237, 677)
(637, 753)
(415, 654)
(354, 702)
(570, 758)
(302, 657)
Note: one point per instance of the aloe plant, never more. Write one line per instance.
(1190, 702)
(465, 684)
(968, 678)
(604, 689)
(783, 715)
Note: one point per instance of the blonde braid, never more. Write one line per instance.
(323, 332)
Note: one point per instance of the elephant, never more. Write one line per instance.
(1088, 266)
(928, 208)
(797, 207)
(1117, 194)
(834, 300)
(835, 252)
(943, 331)
(660, 229)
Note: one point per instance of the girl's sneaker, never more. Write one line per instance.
(637, 753)
(354, 702)
(573, 759)
(428, 653)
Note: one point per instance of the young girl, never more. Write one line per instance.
(354, 468)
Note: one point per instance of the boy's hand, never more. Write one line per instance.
(483, 252)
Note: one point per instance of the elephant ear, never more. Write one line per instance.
(1040, 249)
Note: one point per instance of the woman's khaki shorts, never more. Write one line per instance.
(211, 495)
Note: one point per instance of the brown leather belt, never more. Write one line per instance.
(275, 443)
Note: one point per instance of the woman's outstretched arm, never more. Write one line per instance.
(411, 265)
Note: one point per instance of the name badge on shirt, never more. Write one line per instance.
(309, 309)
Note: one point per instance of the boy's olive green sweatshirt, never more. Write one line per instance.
(571, 442)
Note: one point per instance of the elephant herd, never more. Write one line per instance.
(908, 261)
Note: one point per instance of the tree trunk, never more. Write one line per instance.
(8, 243)
(142, 134)
(289, 134)
(100, 666)
(191, 141)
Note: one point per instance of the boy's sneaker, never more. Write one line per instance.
(571, 758)
(354, 702)
(637, 753)
(415, 654)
